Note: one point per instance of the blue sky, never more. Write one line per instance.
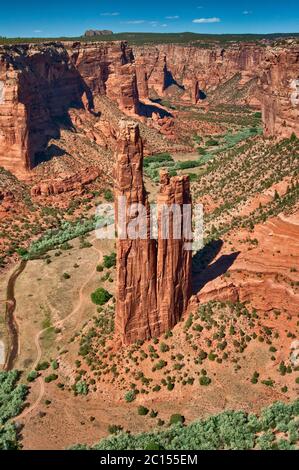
(72, 18)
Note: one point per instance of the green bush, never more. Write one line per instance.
(114, 428)
(110, 260)
(51, 378)
(108, 195)
(100, 296)
(81, 388)
(176, 419)
(32, 376)
(204, 380)
(130, 396)
(42, 366)
(142, 410)
(54, 365)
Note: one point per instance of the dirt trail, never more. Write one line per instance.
(12, 325)
(58, 324)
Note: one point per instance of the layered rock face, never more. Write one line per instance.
(153, 277)
(75, 182)
(107, 69)
(268, 74)
(280, 93)
(40, 83)
(196, 68)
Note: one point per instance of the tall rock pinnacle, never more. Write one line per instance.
(153, 277)
(136, 300)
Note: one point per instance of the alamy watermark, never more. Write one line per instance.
(138, 222)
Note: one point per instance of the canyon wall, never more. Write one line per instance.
(279, 83)
(266, 77)
(40, 83)
(153, 277)
(196, 68)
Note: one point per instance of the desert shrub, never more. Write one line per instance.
(81, 388)
(164, 347)
(100, 296)
(51, 378)
(130, 396)
(176, 419)
(32, 376)
(114, 428)
(42, 366)
(54, 365)
(108, 195)
(204, 380)
(110, 260)
(142, 410)
(255, 377)
(159, 365)
(66, 276)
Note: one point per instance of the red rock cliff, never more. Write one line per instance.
(153, 278)
(269, 74)
(279, 85)
(40, 83)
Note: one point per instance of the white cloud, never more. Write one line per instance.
(207, 20)
(37, 31)
(164, 25)
(175, 17)
(133, 22)
(247, 12)
(110, 14)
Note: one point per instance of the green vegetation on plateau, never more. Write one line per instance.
(12, 397)
(159, 38)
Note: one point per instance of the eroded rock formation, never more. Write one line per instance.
(136, 299)
(280, 93)
(174, 261)
(75, 182)
(39, 84)
(153, 277)
(266, 77)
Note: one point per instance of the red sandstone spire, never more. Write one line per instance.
(153, 288)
